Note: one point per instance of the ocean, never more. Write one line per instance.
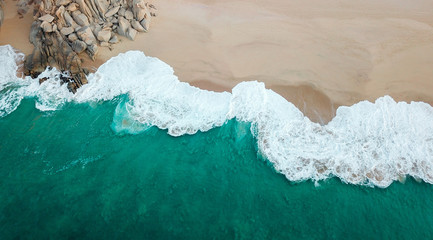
(136, 154)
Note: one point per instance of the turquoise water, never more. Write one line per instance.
(68, 175)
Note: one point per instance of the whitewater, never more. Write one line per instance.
(367, 144)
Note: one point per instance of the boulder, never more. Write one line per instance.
(146, 24)
(34, 36)
(72, 37)
(95, 28)
(112, 11)
(68, 19)
(47, 18)
(140, 10)
(62, 2)
(67, 30)
(104, 35)
(121, 11)
(77, 27)
(22, 9)
(86, 35)
(129, 15)
(104, 44)
(87, 10)
(114, 39)
(107, 24)
(46, 27)
(137, 26)
(123, 26)
(79, 46)
(80, 18)
(59, 14)
(92, 50)
(102, 6)
(131, 33)
(72, 7)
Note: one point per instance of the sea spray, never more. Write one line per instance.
(367, 143)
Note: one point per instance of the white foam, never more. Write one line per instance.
(367, 143)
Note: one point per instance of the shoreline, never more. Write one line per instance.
(317, 55)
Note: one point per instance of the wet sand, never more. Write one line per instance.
(317, 54)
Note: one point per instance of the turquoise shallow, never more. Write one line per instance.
(68, 175)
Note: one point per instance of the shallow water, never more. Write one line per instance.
(68, 174)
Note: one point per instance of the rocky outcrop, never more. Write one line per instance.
(65, 31)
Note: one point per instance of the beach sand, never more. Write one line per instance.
(317, 54)
(15, 30)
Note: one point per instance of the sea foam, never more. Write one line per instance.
(367, 143)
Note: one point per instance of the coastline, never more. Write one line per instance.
(317, 55)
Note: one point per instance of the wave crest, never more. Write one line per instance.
(367, 143)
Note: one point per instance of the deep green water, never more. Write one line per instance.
(68, 175)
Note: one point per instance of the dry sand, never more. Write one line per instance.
(15, 30)
(318, 53)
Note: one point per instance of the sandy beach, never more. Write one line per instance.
(317, 54)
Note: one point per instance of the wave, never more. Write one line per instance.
(367, 143)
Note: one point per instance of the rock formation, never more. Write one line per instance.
(64, 30)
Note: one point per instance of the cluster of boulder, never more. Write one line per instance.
(63, 30)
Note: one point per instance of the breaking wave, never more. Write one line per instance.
(367, 143)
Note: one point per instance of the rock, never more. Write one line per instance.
(123, 26)
(72, 37)
(112, 11)
(23, 8)
(95, 28)
(107, 24)
(80, 18)
(79, 46)
(102, 6)
(104, 35)
(51, 47)
(59, 14)
(46, 26)
(72, 7)
(92, 50)
(62, 2)
(131, 33)
(47, 18)
(77, 27)
(68, 19)
(121, 12)
(104, 44)
(67, 30)
(129, 15)
(87, 10)
(140, 10)
(146, 24)
(115, 20)
(114, 39)
(34, 33)
(137, 26)
(86, 35)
